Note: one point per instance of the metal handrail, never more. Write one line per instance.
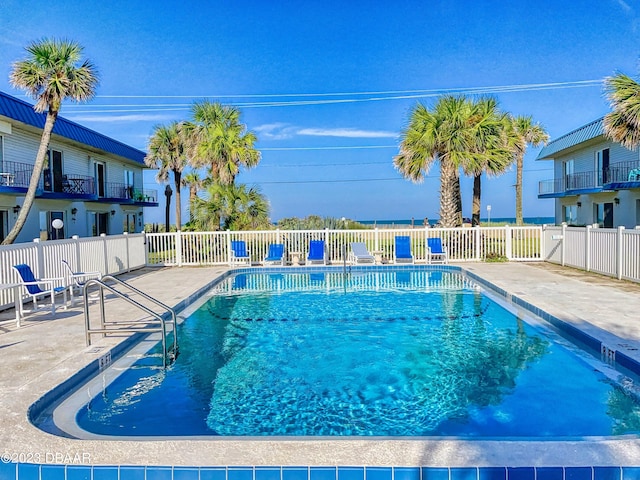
(144, 308)
(174, 320)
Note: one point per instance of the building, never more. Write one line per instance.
(91, 182)
(596, 180)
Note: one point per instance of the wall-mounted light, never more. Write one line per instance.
(113, 212)
(16, 209)
(74, 211)
(579, 204)
(616, 201)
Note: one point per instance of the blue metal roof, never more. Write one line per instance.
(571, 139)
(22, 111)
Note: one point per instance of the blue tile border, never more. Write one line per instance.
(28, 471)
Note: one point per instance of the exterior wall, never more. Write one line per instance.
(21, 146)
(625, 213)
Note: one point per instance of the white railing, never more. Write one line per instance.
(610, 251)
(463, 244)
(111, 254)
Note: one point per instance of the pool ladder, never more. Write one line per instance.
(157, 324)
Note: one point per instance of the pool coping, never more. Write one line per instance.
(347, 451)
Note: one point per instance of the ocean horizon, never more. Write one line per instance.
(418, 222)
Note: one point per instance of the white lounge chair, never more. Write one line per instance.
(360, 254)
(239, 252)
(77, 280)
(42, 287)
(436, 252)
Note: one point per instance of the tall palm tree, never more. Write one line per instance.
(236, 207)
(194, 183)
(528, 133)
(224, 144)
(623, 123)
(52, 72)
(170, 147)
(441, 135)
(492, 150)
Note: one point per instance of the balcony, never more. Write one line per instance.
(574, 184)
(623, 176)
(127, 194)
(15, 177)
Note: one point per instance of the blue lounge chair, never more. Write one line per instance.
(634, 175)
(37, 288)
(317, 253)
(403, 250)
(360, 254)
(275, 255)
(239, 253)
(435, 251)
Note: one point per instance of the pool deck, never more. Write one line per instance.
(46, 351)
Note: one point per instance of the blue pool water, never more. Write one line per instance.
(380, 353)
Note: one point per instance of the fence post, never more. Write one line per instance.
(179, 248)
(376, 245)
(542, 232)
(587, 247)
(145, 245)
(228, 232)
(126, 245)
(478, 242)
(40, 258)
(508, 246)
(106, 253)
(78, 259)
(562, 243)
(619, 253)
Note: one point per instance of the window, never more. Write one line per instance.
(54, 233)
(4, 214)
(570, 214)
(568, 174)
(602, 167)
(100, 178)
(98, 223)
(52, 173)
(129, 223)
(603, 214)
(1, 153)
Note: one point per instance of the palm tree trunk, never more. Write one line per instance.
(519, 162)
(178, 181)
(29, 197)
(448, 198)
(477, 191)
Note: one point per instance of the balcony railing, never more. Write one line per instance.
(14, 174)
(145, 196)
(78, 185)
(623, 172)
(548, 187)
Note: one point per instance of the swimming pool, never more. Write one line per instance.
(435, 356)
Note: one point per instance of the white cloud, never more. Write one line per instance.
(346, 132)
(275, 131)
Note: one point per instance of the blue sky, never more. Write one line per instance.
(316, 82)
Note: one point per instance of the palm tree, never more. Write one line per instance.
(441, 135)
(169, 150)
(528, 133)
(237, 207)
(224, 144)
(623, 123)
(51, 73)
(194, 183)
(492, 150)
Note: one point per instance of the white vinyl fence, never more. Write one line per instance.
(610, 251)
(111, 254)
(463, 244)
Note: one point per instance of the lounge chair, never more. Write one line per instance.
(77, 280)
(360, 254)
(435, 251)
(239, 253)
(37, 288)
(403, 250)
(317, 253)
(275, 255)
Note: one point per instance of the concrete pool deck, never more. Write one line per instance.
(46, 351)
